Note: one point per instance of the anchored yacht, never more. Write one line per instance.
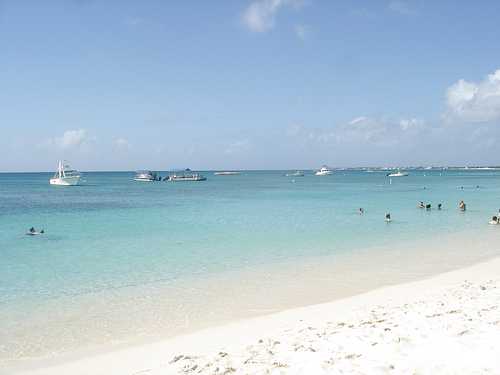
(65, 175)
(226, 173)
(145, 176)
(186, 177)
(398, 174)
(324, 171)
(295, 174)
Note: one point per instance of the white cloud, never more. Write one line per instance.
(134, 21)
(474, 101)
(294, 130)
(381, 130)
(70, 139)
(357, 119)
(401, 7)
(302, 32)
(260, 15)
(238, 146)
(411, 124)
(121, 144)
(364, 130)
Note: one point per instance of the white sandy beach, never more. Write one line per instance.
(447, 324)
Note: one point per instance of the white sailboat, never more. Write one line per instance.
(65, 176)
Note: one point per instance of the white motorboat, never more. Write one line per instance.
(145, 176)
(398, 174)
(65, 176)
(226, 173)
(324, 171)
(186, 177)
(295, 174)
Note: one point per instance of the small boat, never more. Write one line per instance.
(398, 174)
(145, 176)
(186, 177)
(226, 173)
(324, 171)
(65, 176)
(295, 174)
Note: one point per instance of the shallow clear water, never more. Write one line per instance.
(112, 233)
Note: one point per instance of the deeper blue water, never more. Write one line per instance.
(113, 232)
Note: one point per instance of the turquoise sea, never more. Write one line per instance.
(114, 234)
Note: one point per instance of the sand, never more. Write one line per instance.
(447, 324)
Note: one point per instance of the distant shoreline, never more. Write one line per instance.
(375, 168)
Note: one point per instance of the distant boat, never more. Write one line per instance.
(324, 171)
(226, 173)
(398, 174)
(295, 174)
(186, 177)
(65, 175)
(145, 176)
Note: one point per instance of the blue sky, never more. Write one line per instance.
(252, 84)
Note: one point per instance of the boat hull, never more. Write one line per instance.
(226, 173)
(65, 181)
(177, 179)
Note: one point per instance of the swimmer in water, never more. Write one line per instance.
(361, 211)
(439, 206)
(387, 217)
(462, 206)
(428, 206)
(32, 231)
(421, 205)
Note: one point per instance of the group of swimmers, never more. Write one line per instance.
(428, 206)
(361, 211)
(462, 207)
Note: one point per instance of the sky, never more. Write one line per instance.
(248, 84)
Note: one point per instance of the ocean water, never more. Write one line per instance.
(112, 235)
